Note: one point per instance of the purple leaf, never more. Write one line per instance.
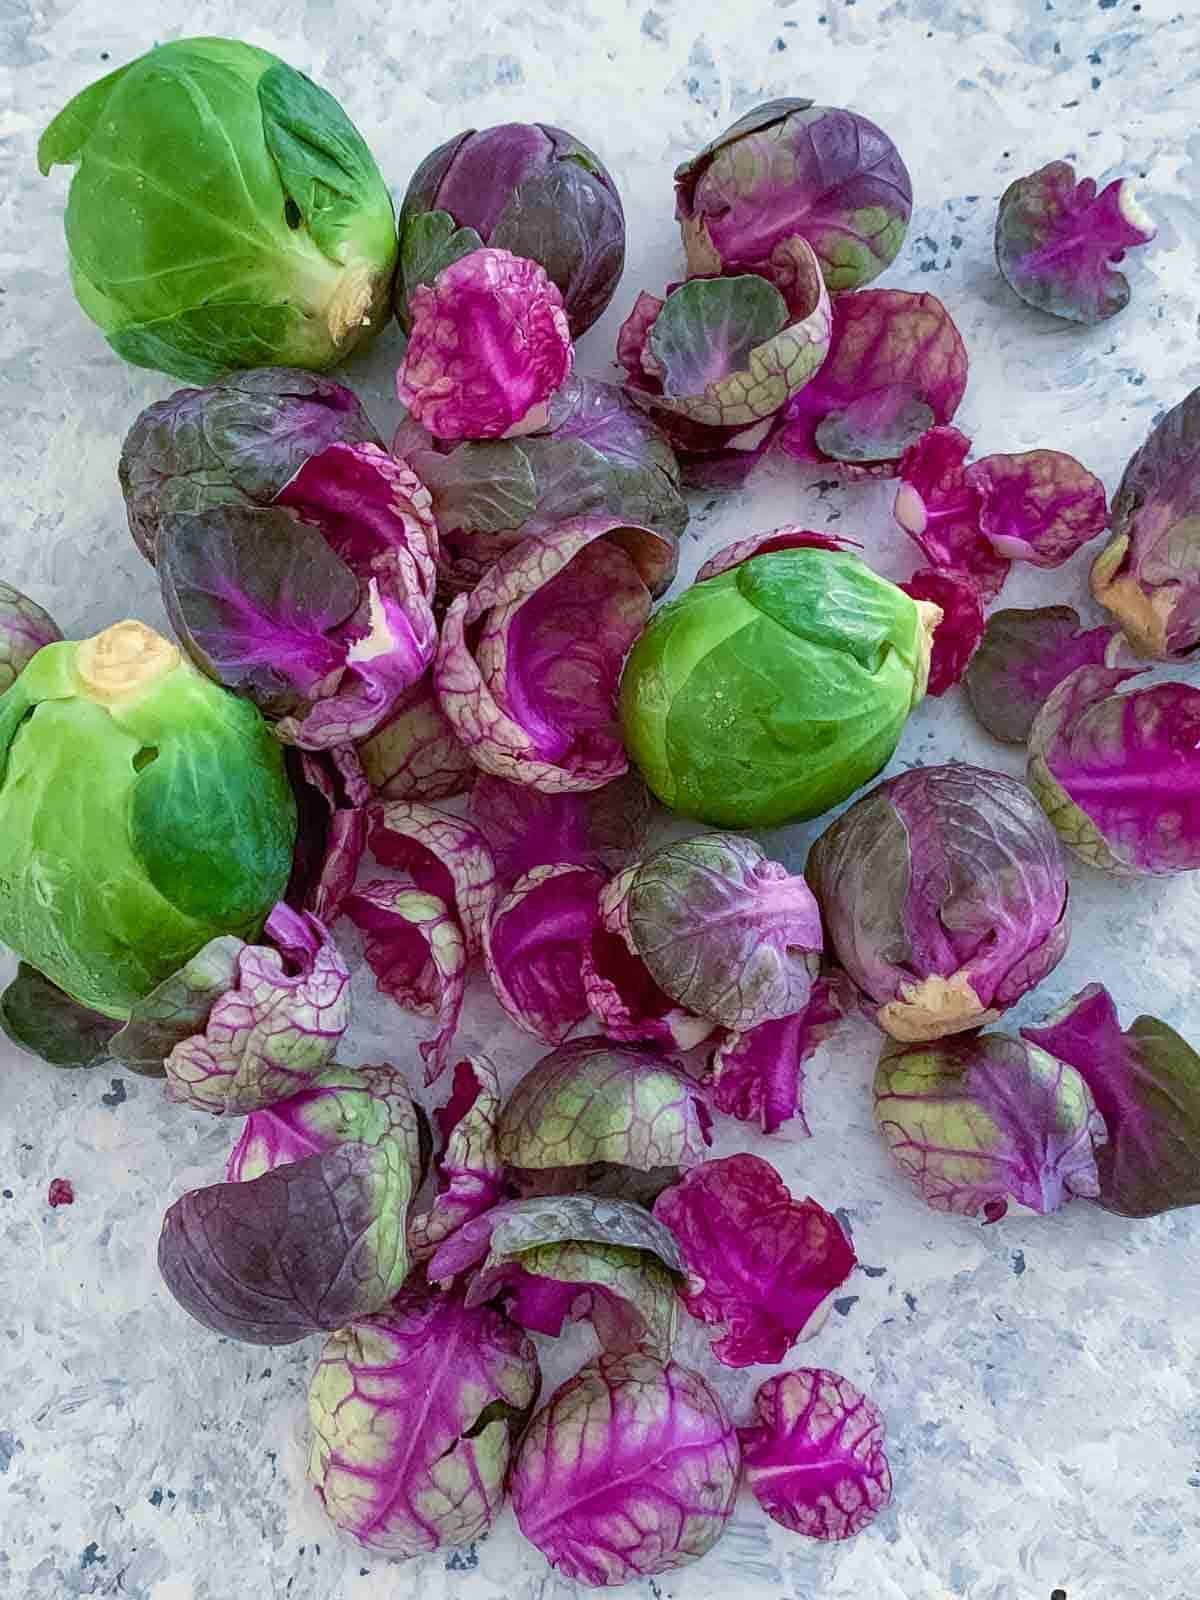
(1024, 656)
(415, 754)
(630, 1469)
(789, 537)
(534, 948)
(1146, 1085)
(976, 1121)
(1119, 774)
(886, 345)
(957, 636)
(758, 1076)
(527, 828)
(939, 509)
(1055, 240)
(443, 856)
(489, 346)
(944, 897)
(470, 1174)
(1039, 507)
(814, 1456)
(761, 1265)
(330, 789)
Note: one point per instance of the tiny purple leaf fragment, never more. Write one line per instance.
(1148, 576)
(274, 1029)
(891, 353)
(1024, 656)
(944, 896)
(762, 1266)
(470, 1174)
(939, 508)
(1057, 240)
(958, 635)
(1146, 1085)
(975, 1122)
(534, 948)
(308, 1246)
(758, 1075)
(1119, 774)
(630, 1469)
(814, 1456)
(489, 346)
(414, 1413)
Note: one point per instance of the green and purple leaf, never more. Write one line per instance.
(470, 1174)
(24, 629)
(1024, 656)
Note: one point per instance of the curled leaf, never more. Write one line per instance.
(24, 629)
(939, 508)
(758, 1075)
(470, 1174)
(1024, 656)
(1041, 506)
(416, 755)
(957, 636)
(534, 948)
(443, 856)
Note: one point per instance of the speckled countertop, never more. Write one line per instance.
(1041, 1378)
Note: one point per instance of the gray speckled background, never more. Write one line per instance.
(1040, 1377)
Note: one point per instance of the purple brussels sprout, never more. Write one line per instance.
(975, 1122)
(1149, 574)
(762, 1266)
(958, 635)
(594, 1102)
(342, 1105)
(1024, 656)
(307, 1247)
(529, 663)
(553, 1259)
(526, 187)
(414, 1414)
(717, 360)
(896, 367)
(790, 170)
(240, 1025)
(1057, 242)
(703, 933)
(1119, 774)
(600, 455)
(814, 1457)
(24, 629)
(488, 348)
(1146, 1084)
(630, 1469)
(238, 442)
(470, 1174)
(944, 897)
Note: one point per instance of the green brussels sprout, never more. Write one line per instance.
(772, 690)
(144, 810)
(225, 212)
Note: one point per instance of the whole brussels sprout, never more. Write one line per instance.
(143, 811)
(225, 212)
(772, 690)
(525, 187)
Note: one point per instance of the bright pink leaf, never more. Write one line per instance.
(959, 634)
(758, 1076)
(534, 948)
(1041, 506)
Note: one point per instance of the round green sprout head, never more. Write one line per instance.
(773, 690)
(143, 811)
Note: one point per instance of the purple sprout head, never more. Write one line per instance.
(526, 187)
(1057, 240)
(792, 170)
(977, 1121)
(1149, 575)
(944, 897)
(488, 348)
(630, 1469)
(1119, 774)
(414, 1414)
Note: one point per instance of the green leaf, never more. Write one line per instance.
(202, 343)
(708, 327)
(431, 242)
(37, 1016)
(177, 1007)
(480, 487)
(64, 139)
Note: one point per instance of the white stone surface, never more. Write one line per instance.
(1040, 1377)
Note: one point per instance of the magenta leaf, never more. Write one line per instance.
(470, 1175)
(761, 1266)
(944, 896)
(415, 948)
(534, 948)
(1040, 507)
(415, 754)
(976, 1121)
(414, 1415)
(624, 998)
(489, 346)
(274, 1029)
(634, 334)
(814, 1456)
(1024, 656)
(630, 1469)
(758, 1075)
(1056, 241)
(1119, 774)
(939, 508)
(330, 789)
(443, 856)
(890, 353)
(528, 828)
(1146, 1085)
(789, 537)
(531, 690)
(958, 635)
